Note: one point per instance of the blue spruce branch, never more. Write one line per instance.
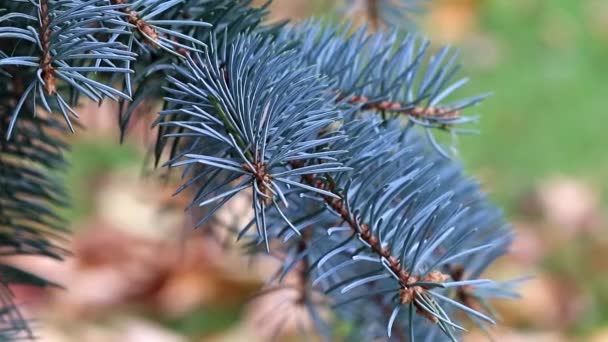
(318, 124)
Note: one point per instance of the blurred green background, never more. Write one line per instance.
(546, 62)
(541, 154)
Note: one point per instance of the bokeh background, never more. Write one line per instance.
(139, 273)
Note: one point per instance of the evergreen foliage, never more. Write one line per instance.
(330, 130)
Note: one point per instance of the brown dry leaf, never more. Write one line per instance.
(109, 268)
(198, 278)
(546, 302)
(279, 315)
(112, 268)
(183, 276)
(139, 250)
(139, 206)
(569, 205)
(529, 245)
(279, 312)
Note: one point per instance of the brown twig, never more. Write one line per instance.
(46, 62)
(262, 179)
(419, 111)
(147, 31)
(151, 35)
(409, 292)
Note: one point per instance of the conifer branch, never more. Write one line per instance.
(28, 196)
(409, 292)
(295, 117)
